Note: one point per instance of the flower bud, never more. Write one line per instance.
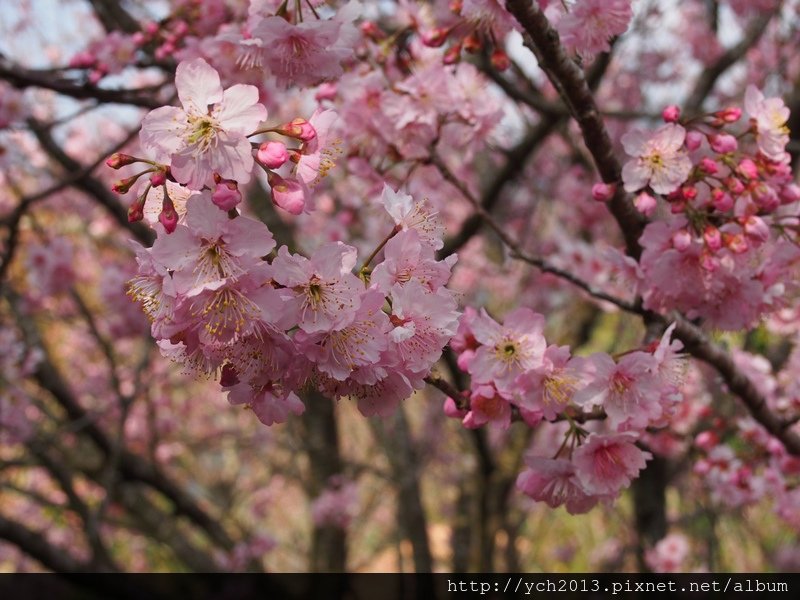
(712, 238)
(123, 185)
(500, 60)
(748, 169)
(272, 154)
(372, 31)
(723, 143)
(299, 128)
(158, 178)
(756, 228)
(693, 140)
(473, 43)
(709, 165)
(671, 114)
(721, 200)
(288, 194)
(168, 216)
(226, 195)
(603, 192)
(453, 55)
(681, 240)
(136, 210)
(645, 204)
(729, 115)
(119, 160)
(435, 37)
(451, 409)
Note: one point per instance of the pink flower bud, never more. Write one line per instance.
(729, 115)
(435, 37)
(372, 31)
(288, 194)
(226, 195)
(603, 192)
(790, 193)
(756, 229)
(136, 210)
(139, 38)
(736, 243)
(645, 204)
(689, 192)
(766, 198)
(168, 216)
(693, 140)
(723, 143)
(706, 440)
(451, 409)
(721, 200)
(453, 55)
(272, 154)
(681, 240)
(158, 178)
(734, 185)
(151, 27)
(748, 168)
(123, 185)
(119, 160)
(82, 60)
(671, 114)
(709, 166)
(708, 261)
(712, 238)
(500, 60)
(473, 43)
(299, 128)
(326, 91)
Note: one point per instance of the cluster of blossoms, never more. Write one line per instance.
(514, 371)
(205, 145)
(271, 323)
(729, 194)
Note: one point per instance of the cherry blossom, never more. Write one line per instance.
(208, 135)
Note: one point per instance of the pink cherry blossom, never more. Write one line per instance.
(590, 24)
(553, 482)
(605, 464)
(507, 350)
(410, 214)
(628, 391)
(770, 116)
(488, 405)
(406, 259)
(304, 53)
(659, 159)
(322, 293)
(207, 135)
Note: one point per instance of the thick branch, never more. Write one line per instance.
(567, 77)
(89, 184)
(35, 545)
(22, 78)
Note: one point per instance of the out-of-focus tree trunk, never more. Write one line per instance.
(328, 544)
(650, 507)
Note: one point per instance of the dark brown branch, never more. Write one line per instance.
(22, 78)
(90, 185)
(12, 221)
(113, 16)
(567, 77)
(515, 161)
(36, 546)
